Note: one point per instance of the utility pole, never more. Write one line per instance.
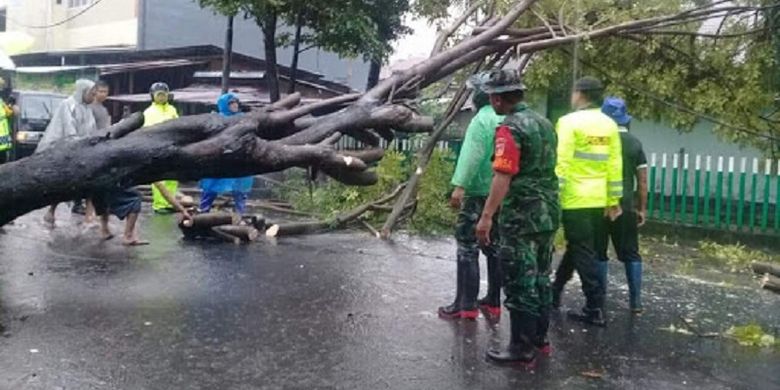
(227, 55)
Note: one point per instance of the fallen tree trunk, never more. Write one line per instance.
(766, 268)
(273, 139)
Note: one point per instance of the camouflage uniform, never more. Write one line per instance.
(530, 215)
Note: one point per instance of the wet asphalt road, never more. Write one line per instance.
(336, 311)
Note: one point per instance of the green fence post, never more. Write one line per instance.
(696, 190)
(651, 188)
(730, 192)
(662, 194)
(765, 203)
(719, 193)
(675, 175)
(684, 195)
(707, 179)
(777, 199)
(753, 190)
(741, 189)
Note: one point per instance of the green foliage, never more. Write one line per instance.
(433, 214)
(678, 80)
(332, 197)
(349, 28)
(737, 257)
(751, 335)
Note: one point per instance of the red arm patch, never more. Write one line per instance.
(507, 154)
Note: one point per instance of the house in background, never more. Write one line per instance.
(153, 25)
(193, 74)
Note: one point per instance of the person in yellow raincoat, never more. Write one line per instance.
(161, 110)
(6, 143)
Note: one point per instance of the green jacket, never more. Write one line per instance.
(531, 206)
(474, 171)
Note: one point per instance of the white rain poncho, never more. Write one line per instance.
(73, 118)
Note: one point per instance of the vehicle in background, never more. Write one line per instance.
(35, 113)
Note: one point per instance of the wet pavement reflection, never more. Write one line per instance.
(334, 311)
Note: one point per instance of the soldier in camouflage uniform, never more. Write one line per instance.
(471, 180)
(525, 182)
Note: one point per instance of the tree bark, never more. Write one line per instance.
(243, 233)
(771, 283)
(765, 268)
(296, 52)
(268, 25)
(373, 73)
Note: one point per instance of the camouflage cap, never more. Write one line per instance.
(502, 80)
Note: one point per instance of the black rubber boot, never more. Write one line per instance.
(589, 316)
(468, 301)
(491, 303)
(521, 348)
(541, 342)
(452, 310)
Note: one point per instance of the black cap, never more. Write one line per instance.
(588, 84)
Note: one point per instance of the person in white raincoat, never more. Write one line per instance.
(73, 118)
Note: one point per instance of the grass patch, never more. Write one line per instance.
(735, 256)
(752, 335)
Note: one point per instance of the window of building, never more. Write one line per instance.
(78, 3)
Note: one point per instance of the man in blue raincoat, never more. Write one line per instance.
(228, 105)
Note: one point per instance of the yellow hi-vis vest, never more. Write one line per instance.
(5, 127)
(590, 164)
(158, 113)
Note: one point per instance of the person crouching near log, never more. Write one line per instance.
(161, 110)
(525, 187)
(72, 119)
(228, 105)
(473, 173)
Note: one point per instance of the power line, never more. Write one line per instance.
(61, 22)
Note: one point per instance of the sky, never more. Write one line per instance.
(418, 44)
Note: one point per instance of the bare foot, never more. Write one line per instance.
(106, 234)
(134, 242)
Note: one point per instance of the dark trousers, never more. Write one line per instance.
(468, 254)
(624, 233)
(585, 231)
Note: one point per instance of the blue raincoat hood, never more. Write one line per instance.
(223, 104)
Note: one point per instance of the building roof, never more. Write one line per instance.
(106, 69)
(208, 95)
(124, 55)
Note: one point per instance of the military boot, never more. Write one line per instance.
(634, 279)
(521, 348)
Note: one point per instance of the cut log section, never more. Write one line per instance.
(242, 233)
(771, 283)
(200, 225)
(216, 232)
(766, 268)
